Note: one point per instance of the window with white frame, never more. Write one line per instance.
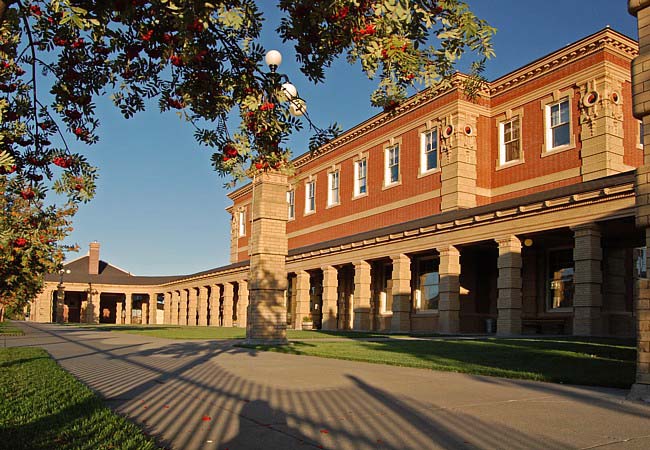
(509, 141)
(558, 124)
(640, 134)
(427, 293)
(310, 196)
(429, 151)
(360, 177)
(333, 197)
(392, 165)
(242, 222)
(291, 201)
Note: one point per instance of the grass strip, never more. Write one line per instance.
(9, 329)
(598, 362)
(44, 407)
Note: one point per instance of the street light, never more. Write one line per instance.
(60, 295)
(297, 106)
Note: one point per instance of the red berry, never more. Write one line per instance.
(259, 165)
(20, 242)
(176, 60)
(27, 194)
(147, 35)
(36, 10)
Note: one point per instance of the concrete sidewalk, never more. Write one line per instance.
(212, 395)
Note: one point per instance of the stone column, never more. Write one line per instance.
(176, 299)
(330, 294)
(118, 313)
(203, 306)
(400, 290)
(242, 304)
(362, 296)
(144, 309)
(641, 108)
(153, 308)
(509, 285)
(95, 303)
(588, 280)
(215, 298)
(268, 275)
(128, 307)
(302, 298)
(192, 306)
(228, 294)
(60, 303)
(168, 308)
(182, 308)
(449, 289)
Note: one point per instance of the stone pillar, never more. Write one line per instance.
(118, 313)
(640, 93)
(153, 308)
(587, 280)
(168, 308)
(182, 308)
(302, 298)
(215, 298)
(128, 307)
(228, 294)
(509, 285)
(242, 304)
(361, 296)
(458, 160)
(192, 300)
(400, 290)
(269, 247)
(449, 289)
(144, 309)
(330, 294)
(60, 303)
(203, 306)
(176, 299)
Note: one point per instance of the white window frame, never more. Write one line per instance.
(503, 142)
(357, 179)
(389, 162)
(310, 201)
(291, 202)
(334, 188)
(424, 151)
(548, 128)
(241, 217)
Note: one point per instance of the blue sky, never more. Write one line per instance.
(160, 208)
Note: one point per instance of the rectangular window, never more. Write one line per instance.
(558, 124)
(291, 200)
(392, 165)
(560, 278)
(310, 197)
(427, 295)
(242, 223)
(360, 177)
(333, 191)
(429, 151)
(510, 149)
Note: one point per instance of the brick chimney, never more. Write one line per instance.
(93, 259)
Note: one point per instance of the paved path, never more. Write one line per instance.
(269, 400)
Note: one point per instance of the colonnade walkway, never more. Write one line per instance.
(214, 395)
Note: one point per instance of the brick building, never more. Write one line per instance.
(448, 214)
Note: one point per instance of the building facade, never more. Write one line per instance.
(511, 212)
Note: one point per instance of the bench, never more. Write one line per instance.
(544, 326)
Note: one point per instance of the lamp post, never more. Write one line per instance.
(60, 296)
(267, 314)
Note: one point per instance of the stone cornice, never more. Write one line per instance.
(605, 39)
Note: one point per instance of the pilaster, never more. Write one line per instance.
(182, 307)
(361, 295)
(330, 293)
(203, 306)
(118, 313)
(302, 298)
(153, 308)
(242, 303)
(449, 289)
(509, 283)
(228, 295)
(214, 305)
(587, 280)
(400, 286)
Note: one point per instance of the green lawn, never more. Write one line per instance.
(44, 407)
(595, 362)
(9, 329)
